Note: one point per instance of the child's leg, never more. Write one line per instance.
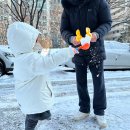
(32, 119)
(45, 115)
(30, 123)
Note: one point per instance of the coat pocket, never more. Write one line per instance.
(49, 88)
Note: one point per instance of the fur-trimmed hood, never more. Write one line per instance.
(71, 3)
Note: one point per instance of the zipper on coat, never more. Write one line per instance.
(79, 17)
(87, 17)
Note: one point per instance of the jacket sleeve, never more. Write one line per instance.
(45, 64)
(65, 27)
(104, 18)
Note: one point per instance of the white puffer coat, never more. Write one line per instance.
(32, 85)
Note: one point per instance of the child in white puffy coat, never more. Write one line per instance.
(32, 86)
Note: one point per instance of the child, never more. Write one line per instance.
(32, 86)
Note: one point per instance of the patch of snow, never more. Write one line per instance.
(66, 103)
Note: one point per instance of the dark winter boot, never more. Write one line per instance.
(30, 124)
(45, 115)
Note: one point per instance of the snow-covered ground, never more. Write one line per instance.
(66, 103)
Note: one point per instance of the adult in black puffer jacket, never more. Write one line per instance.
(95, 14)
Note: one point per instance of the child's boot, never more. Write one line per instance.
(30, 124)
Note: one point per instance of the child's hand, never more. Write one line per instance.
(74, 50)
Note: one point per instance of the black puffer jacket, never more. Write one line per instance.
(79, 14)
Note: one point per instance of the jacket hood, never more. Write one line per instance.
(71, 3)
(21, 37)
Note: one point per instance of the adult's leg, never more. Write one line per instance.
(99, 99)
(81, 78)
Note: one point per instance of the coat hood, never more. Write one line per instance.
(21, 37)
(71, 3)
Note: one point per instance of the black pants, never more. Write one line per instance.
(32, 119)
(99, 97)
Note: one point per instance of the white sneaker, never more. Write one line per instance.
(81, 116)
(101, 121)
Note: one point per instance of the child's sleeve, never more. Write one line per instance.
(45, 64)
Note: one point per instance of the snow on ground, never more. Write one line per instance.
(66, 103)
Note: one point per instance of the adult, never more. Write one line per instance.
(95, 14)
